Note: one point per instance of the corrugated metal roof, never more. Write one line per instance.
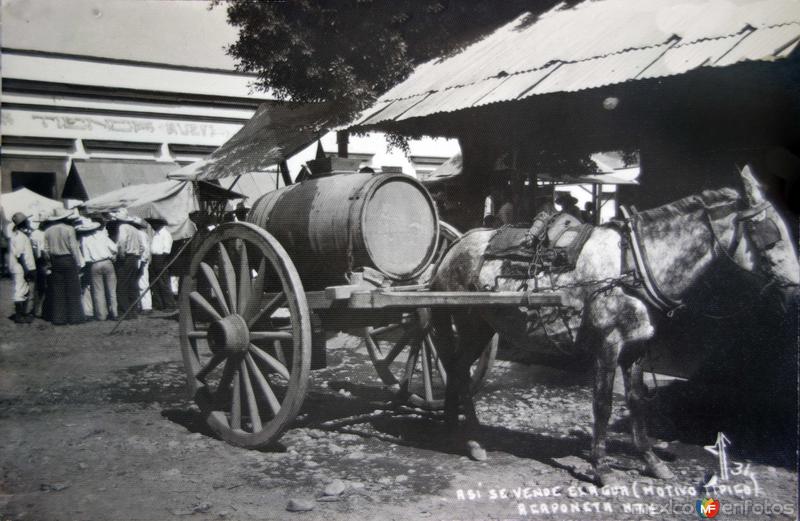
(595, 43)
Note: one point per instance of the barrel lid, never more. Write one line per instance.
(400, 226)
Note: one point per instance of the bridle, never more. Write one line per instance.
(762, 234)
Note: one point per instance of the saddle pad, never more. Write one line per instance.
(571, 242)
(509, 243)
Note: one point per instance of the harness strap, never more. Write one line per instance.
(653, 293)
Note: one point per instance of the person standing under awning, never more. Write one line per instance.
(129, 251)
(99, 251)
(66, 261)
(160, 249)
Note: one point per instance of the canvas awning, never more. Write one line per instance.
(170, 200)
(90, 178)
(28, 202)
(277, 131)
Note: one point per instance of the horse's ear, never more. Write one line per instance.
(753, 193)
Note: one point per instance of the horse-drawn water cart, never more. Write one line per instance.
(336, 252)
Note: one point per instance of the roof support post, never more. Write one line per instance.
(284, 167)
(342, 139)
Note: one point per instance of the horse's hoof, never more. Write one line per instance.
(603, 476)
(476, 452)
(659, 470)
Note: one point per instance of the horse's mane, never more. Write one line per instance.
(714, 201)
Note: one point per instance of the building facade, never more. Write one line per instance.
(138, 82)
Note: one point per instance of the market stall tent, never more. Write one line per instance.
(172, 201)
(28, 202)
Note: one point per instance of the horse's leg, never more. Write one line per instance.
(477, 334)
(635, 392)
(458, 355)
(448, 353)
(605, 369)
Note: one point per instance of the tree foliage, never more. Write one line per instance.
(351, 51)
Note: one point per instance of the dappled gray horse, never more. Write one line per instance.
(609, 317)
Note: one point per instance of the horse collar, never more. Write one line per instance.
(652, 292)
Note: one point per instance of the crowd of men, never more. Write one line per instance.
(68, 268)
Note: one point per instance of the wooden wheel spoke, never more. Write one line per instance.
(210, 366)
(439, 364)
(215, 287)
(411, 363)
(228, 373)
(205, 305)
(278, 347)
(271, 335)
(245, 280)
(263, 385)
(252, 403)
(426, 371)
(236, 404)
(228, 276)
(270, 304)
(274, 363)
(256, 291)
(397, 348)
(197, 334)
(380, 331)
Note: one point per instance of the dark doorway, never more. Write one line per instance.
(43, 183)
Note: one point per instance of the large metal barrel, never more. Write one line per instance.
(334, 224)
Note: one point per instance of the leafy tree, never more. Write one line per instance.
(351, 51)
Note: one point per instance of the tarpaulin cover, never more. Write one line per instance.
(172, 201)
(94, 177)
(28, 202)
(277, 131)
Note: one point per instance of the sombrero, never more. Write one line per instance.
(59, 214)
(87, 225)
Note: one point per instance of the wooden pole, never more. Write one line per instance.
(342, 139)
(287, 178)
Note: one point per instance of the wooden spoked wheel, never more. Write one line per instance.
(245, 334)
(407, 350)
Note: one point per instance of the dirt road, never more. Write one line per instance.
(99, 427)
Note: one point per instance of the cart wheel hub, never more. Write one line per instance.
(229, 335)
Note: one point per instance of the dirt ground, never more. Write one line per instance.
(99, 427)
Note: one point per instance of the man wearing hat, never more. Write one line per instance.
(129, 251)
(160, 249)
(569, 205)
(23, 268)
(99, 252)
(66, 261)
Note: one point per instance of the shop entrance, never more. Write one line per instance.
(43, 183)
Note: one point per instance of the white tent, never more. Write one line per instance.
(28, 202)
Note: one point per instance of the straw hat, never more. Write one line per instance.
(87, 225)
(59, 214)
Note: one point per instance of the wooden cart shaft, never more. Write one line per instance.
(357, 297)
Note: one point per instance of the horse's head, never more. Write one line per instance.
(767, 248)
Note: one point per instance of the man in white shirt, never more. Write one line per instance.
(100, 252)
(160, 249)
(144, 265)
(23, 268)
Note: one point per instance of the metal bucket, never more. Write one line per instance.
(335, 224)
